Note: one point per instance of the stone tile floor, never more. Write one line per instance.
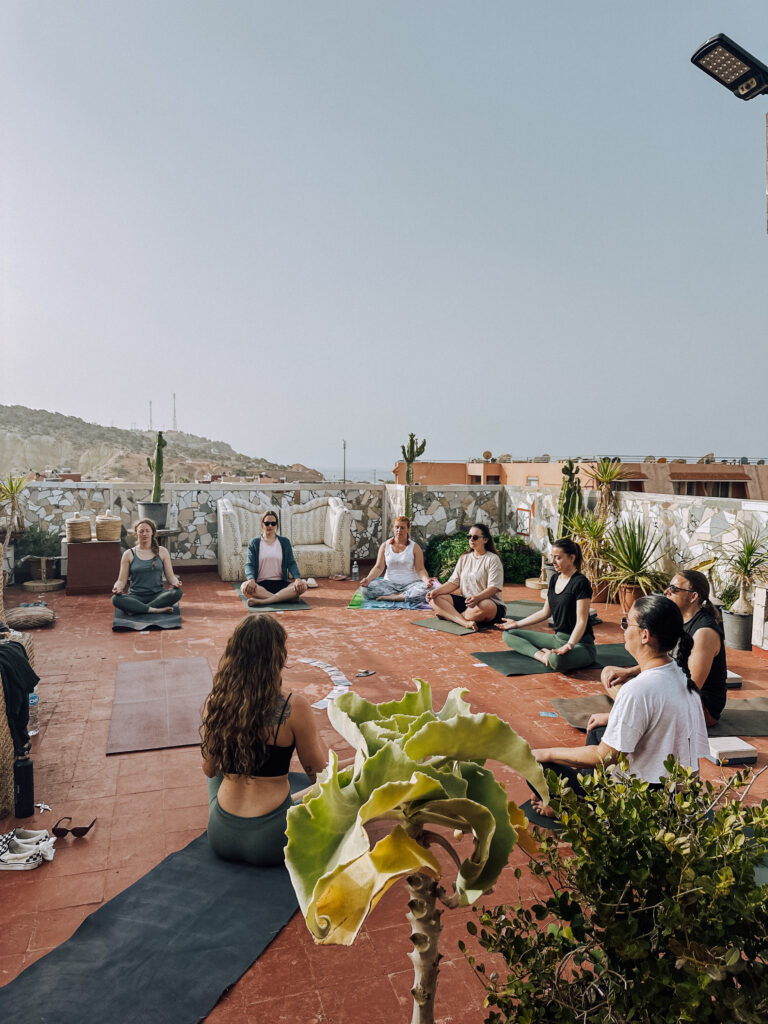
(150, 804)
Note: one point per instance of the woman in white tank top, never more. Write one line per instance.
(399, 573)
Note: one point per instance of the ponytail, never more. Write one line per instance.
(699, 584)
(681, 655)
(664, 621)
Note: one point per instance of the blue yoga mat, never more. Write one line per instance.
(163, 951)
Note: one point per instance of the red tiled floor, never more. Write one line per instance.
(151, 803)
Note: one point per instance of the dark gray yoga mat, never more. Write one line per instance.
(577, 710)
(278, 606)
(443, 626)
(164, 950)
(534, 818)
(740, 717)
(520, 609)
(124, 622)
(512, 663)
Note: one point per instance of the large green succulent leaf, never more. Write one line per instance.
(483, 788)
(454, 705)
(478, 738)
(350, 892)
(350, 712)
(462, 814)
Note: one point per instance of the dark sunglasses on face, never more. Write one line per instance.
(270, 523)
(678, 590)
(78, 831)
(474, 536)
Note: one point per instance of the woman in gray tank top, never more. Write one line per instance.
(141, 575)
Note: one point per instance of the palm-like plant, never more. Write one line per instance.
(11, 490)
(602, 475)
(632, 555)
(589, 532)
(418, 770)
(746, 564)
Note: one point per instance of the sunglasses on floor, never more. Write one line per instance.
(78, 831)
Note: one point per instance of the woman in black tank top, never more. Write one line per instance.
(249, 733)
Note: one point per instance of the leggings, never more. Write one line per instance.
(259, 840)
(570, 773)
(529, 641)
(134, 605)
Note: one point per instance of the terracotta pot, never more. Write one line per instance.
(628, 595)
(599, 593)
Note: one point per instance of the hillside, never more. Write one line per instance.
(33, 440)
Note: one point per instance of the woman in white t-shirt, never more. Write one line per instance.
(473, 594)
(656, 714)
(399, 573)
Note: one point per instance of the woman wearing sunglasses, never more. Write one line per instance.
(473, 594)
(250, 730)
(271, 572)
(568, 599)
(701, 620)
(141, 573)
(656, 714)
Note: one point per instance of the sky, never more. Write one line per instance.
(519, 227)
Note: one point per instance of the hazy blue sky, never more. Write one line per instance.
(523, 227)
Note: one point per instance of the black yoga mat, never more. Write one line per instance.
(164, 950)
(124, 622)
(278, 606)
(512, 663)
(534, 818)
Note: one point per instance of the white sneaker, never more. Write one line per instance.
(18, 857)
(311, 583)
(41, 841)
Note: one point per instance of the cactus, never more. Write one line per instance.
(569, 502)
(411, 452)
(156, 467)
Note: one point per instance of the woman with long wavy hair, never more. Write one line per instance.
(656, 714)
(250, 730)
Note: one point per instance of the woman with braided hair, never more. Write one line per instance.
(655, 714)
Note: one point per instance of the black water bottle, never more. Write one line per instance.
(24, 787)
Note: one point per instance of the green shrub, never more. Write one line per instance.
(655, 914)
(519, 559)
(39, 542)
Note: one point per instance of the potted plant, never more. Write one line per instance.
(589, 532)
(156, 509)
(11, 490)
(38, 546)
(745, 564)
(632, 555)
(602, 475)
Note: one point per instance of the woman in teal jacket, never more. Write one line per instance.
(271, 572)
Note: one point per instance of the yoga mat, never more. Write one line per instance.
(740, 717)
(577, 710)
(278, 606)
(534, 818)
(157, 704)
(512, 663)
(360, 602)
(164, 950)
(521, 609)
(443, 626)
(123, 622)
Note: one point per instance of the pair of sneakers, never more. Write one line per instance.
(22, 849)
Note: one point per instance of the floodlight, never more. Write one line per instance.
(732, 66)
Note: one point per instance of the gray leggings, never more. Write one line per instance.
(137, 606)
(259, 840)
(528, 641)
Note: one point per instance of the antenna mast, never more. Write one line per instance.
(174, 411)
(150, 414)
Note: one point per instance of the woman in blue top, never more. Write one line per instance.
(141, 573)
(250, 730)
(271, 572)
(568, 599)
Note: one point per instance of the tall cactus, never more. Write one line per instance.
(569, 502)
(156, 467)
(411, 452)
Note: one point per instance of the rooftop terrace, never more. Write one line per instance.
(150, 804)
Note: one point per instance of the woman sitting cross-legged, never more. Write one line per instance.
(401, 561)
(271, 572)
(250, 730)
(473, 594)
(141, 573)
(568, 599)
(656, 714)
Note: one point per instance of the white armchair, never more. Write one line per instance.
(319, 532)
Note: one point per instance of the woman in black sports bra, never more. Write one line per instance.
(249, 733)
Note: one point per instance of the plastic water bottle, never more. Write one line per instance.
(33, 726)
(355, 570)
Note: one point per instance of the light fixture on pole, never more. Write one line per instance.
(732, 66)
(344, 447)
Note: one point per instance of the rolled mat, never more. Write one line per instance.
(165, 949)
(278, 606)
(124, 622)
(512, 663)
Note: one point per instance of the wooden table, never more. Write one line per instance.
(93, 566)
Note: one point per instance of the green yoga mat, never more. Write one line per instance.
(443, 626)
(512, 663)
(522, 608)
(279, 606)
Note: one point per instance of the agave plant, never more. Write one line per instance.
(418, 770)
(746, 564)
(11, 490)
(589, 532)
(632, 555)
(602, 475)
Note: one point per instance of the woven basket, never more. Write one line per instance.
(78, 529)
(29, 618)
(108, 527)
(6, 763)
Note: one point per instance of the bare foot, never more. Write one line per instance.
(543, 657)
(545, 810)
(254, 602)
(391, 597)
(169, 609)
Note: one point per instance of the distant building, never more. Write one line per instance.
(727, 478)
